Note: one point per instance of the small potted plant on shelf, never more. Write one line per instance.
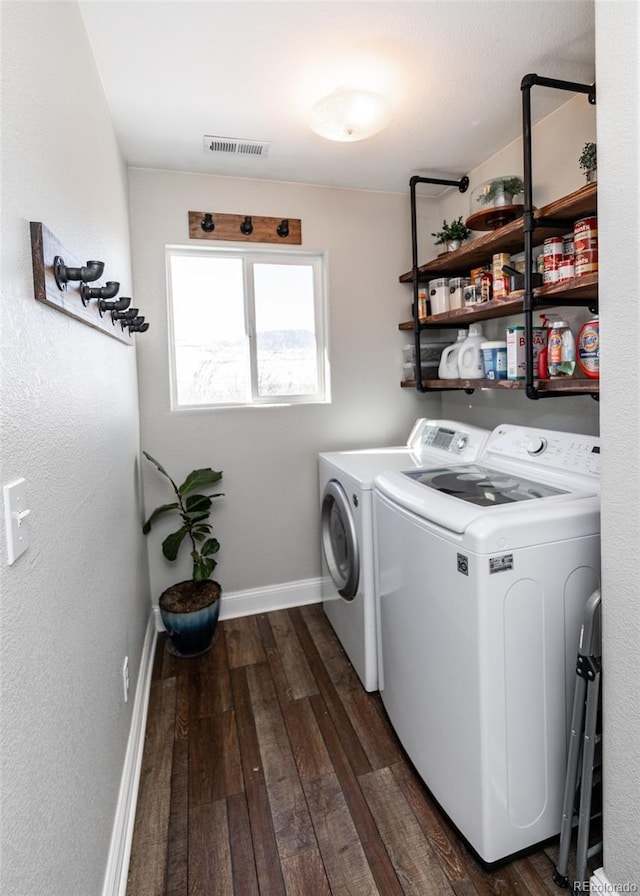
(190, 609)
(452, 234)
(589, 162)
(500, 191)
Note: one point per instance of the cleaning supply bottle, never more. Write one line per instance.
(543, 354)
(470, 359)
(589, 348)
(561, 352)
(448, 367)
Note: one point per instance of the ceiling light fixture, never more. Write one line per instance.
(349, 115)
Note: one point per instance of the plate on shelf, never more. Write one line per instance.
(494, 217)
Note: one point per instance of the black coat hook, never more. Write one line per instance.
(139, 329)
(207, 223)
(283, 228)
(119, 305)
(246, 227)
(99, 292)
(93, 270)
(123, 315)
(133, 322)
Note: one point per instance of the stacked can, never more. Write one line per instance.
(500, 279)
(553, 253)
(585, 240)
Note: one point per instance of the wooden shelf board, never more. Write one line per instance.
(579, 290)
(509, 238)
(565, 384)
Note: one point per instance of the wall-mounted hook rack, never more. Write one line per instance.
(251, 228)
(93, 270)
(99, 292)
(120, 305)
(48, 256)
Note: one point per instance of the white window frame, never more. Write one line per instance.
(249, 257)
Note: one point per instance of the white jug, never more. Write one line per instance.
(448, 367)
(470, 361)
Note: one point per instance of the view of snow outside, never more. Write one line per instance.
(212, 348)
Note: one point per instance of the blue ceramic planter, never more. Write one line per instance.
(191, 632)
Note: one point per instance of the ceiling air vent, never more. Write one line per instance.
(236, 147)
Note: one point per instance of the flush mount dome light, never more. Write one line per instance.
(349, 115)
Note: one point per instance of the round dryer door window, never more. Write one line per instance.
(339, 540)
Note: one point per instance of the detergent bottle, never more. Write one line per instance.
(470, 359)
(589, 348)
(448, 367)
(561, 351)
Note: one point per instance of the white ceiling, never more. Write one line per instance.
(175, 70)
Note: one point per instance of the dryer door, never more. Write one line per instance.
(339, 540)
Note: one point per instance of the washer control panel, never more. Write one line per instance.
(571, 452)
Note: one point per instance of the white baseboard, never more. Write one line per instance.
(264, 600)
(599, 883)
(115, 879)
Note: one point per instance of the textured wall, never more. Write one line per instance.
(617, 51)
(268, 521)
(77, 602)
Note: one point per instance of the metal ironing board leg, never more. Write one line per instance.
(582, 746)
(561, 877)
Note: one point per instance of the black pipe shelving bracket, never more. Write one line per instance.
(529, 223)
(463, 185)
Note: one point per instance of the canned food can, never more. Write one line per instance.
(568, 246)
(551, 275)
(566, 270)
(586, 226)
(486, 287)
(553, 246)
(585, 243)
(586, 262)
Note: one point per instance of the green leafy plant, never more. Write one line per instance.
(512, 186)
(194, 511)
(454, 231)
(588, 157)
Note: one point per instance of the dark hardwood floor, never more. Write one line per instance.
(269, 770)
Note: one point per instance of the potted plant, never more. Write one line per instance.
(589, 161)
(452, 234)
(190, 609)
(500, 190)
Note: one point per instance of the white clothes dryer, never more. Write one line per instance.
(482, 574)
(346, 483)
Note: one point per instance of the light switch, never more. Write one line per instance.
(15, 516)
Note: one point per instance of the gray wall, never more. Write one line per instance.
(617, 52)
(77, 601)
(267, 522)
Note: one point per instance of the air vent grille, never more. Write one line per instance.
(235, 146)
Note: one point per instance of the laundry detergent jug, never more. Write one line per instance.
(470, 359)
(448, 367)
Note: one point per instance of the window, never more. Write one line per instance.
(246, 328)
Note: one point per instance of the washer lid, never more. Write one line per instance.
(507, 500)
(482, 485)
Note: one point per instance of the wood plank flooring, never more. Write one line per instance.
(269, 771)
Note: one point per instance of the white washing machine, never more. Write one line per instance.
(346, 483)
(482, 573)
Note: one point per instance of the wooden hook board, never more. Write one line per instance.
(44, 248)
(227, 227)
